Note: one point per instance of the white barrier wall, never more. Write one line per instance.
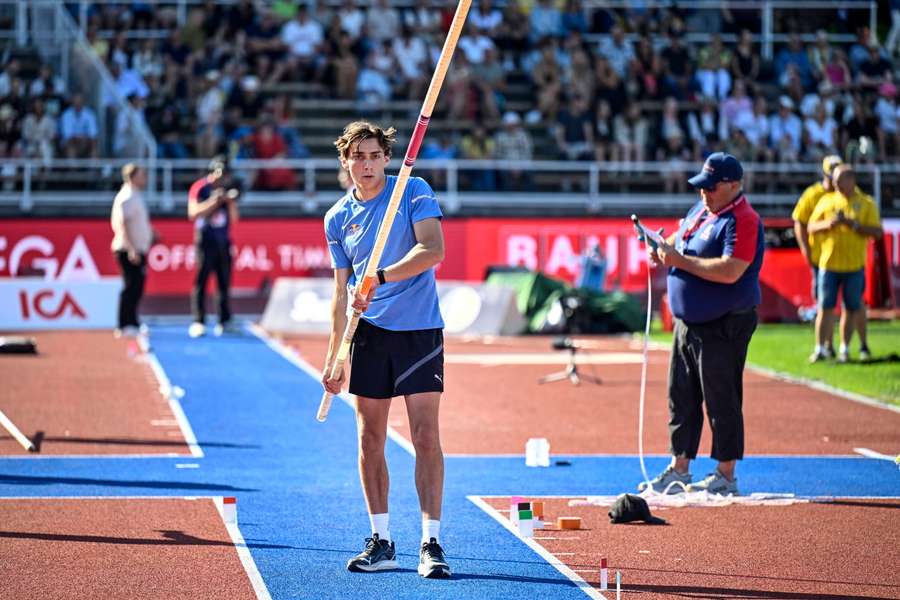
(303, 305)
(29, 303)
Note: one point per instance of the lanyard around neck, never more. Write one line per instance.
(705, 215)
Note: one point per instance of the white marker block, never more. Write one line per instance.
(526, 528)
(229, 510)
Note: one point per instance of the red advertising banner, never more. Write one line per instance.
(79, 249)
(555, 247)
(264, 249)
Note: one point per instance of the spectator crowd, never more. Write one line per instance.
(609, 85)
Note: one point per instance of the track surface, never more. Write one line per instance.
(302, 515)
(85, 393)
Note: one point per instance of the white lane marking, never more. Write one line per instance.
(816, 385)
(574, 577)
(292, 357)
(544, 358)
(104, 456)
(872, 454)
(822, 387)
(170, 393)
(256, 580)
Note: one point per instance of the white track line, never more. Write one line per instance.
(816, 385)
(822, 387)
(168, 392)
(574, 577)
(872, 454)
(668, 456)
(108, 497)
(74, 456)
(543, 358)
(256, 580)
(293, 358)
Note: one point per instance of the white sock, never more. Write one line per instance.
(380, 525)
(430, 529)
(820, 348)
(843, 348)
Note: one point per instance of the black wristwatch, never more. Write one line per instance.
(380, 274)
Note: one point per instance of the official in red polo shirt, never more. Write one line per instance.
(714, 260)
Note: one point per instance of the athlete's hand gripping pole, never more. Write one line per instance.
(434, 89)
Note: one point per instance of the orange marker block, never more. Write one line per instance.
(568, 522)
(537, 507)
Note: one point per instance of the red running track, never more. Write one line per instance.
(843, 550)
(118, 548)
(495, 408)
(86, 392)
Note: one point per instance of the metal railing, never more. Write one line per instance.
(589, 187)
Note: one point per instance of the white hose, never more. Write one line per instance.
(644, 382)
(648, 490)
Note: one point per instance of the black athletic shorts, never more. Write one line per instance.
(385, 363)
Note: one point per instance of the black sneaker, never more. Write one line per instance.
(432, 563)
(379, 555)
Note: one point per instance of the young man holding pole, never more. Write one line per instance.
(398, 346)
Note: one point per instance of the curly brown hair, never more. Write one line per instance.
(358, 131)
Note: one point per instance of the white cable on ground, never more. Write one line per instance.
(703, 498)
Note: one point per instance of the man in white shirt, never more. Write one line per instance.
(78, 130)
(786, 131)
(132, 237)
(383, 21)
(475, 45)
(352, 19)
(303, 37)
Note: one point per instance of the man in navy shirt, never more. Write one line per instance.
(714, 260)
(212, 206)
(398, 349)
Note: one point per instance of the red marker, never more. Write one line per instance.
(604, 575)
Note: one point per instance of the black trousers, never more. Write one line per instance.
(212, 257)
(133, 277)
(707, 366)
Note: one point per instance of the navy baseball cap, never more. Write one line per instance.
(719, 166)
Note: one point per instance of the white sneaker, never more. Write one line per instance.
(227, 327)
(196, 330)
(715, 483)
(129, 331)
(669, 481)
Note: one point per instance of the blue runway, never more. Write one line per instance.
(300, 506)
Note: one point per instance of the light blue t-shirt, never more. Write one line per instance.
(351, 227)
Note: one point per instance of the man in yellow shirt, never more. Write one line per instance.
(841, 224)
(802, 212)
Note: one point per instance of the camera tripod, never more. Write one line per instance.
(571, 370)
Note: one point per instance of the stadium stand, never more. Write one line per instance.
(658, 82)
